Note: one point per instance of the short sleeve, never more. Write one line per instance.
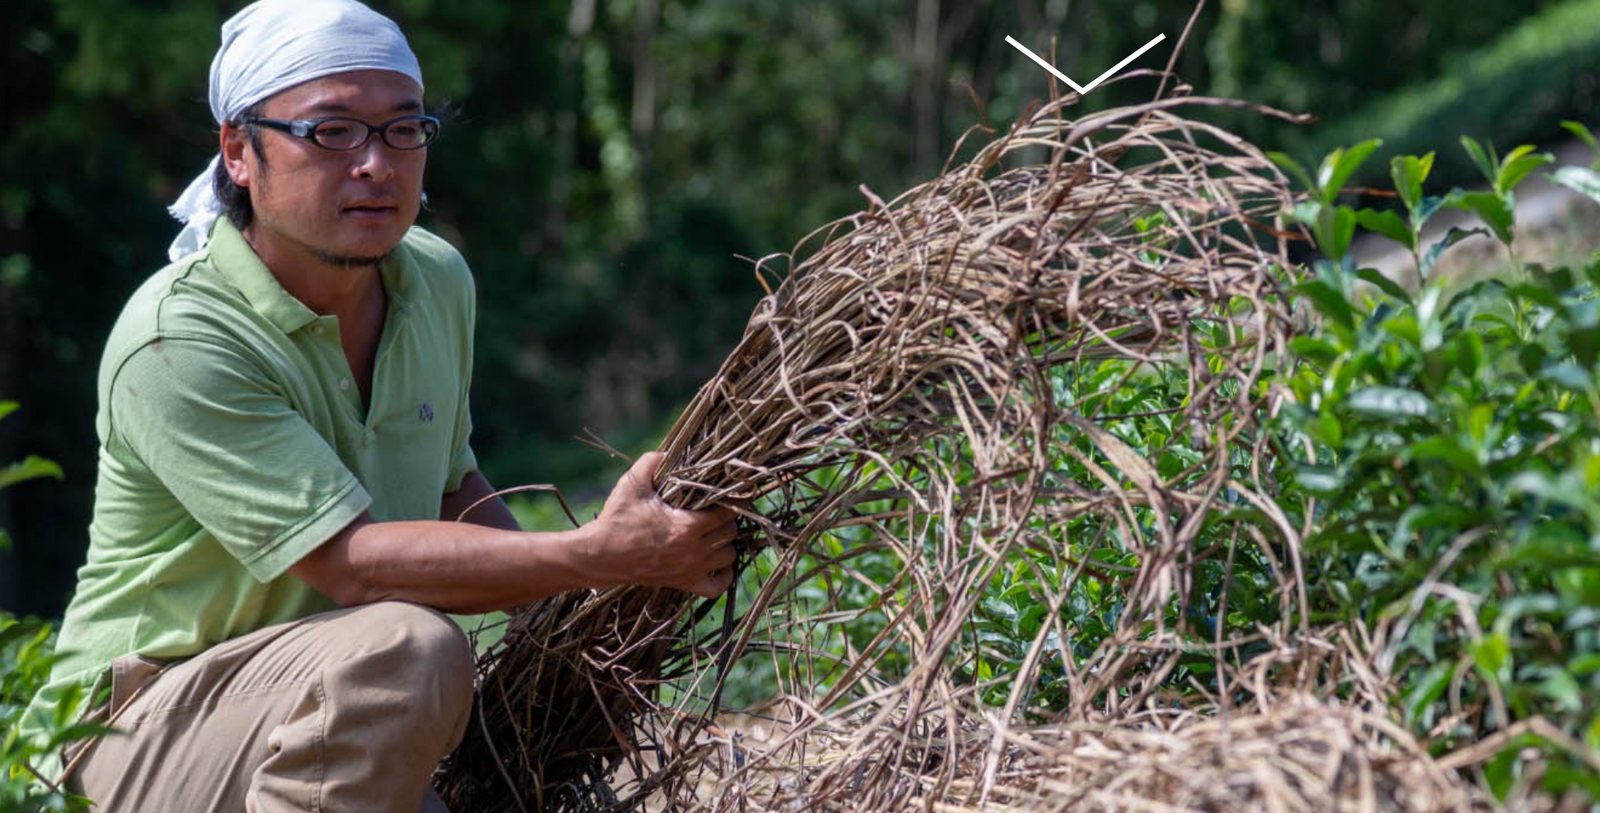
(225, 441)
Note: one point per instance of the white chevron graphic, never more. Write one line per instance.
(1083, 89)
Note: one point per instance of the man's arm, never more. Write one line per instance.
(467, 568)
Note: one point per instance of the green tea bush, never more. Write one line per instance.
(1439, 448)
(27, 651)
(1444, 448)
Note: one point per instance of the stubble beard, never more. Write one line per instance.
(346, 261)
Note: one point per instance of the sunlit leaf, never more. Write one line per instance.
(1582, 180)
(1492, 656)
(1390, 402)
(1586, 136)
(1517, 165)
(1339, 165)
(1319, 479)
(1409, 172)
(1568, 375)
(29, 468)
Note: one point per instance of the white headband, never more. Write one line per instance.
(271, 46)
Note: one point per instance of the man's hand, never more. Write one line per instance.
(642, 540)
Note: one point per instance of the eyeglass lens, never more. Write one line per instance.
(402, 134)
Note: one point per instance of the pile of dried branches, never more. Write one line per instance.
(905, 393)
(1297, 753)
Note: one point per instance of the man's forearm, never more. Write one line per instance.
(465, 567)
(451, 566)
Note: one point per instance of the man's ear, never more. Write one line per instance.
(235, 141)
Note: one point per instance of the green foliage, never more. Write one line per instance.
(26, 469)
(1334, 225)
(29, 468)
(27, 651)
(1453, 485)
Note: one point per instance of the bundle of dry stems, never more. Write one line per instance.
(896, 395)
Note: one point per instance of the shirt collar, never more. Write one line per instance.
(238, 263)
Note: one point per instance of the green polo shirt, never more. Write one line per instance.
(233, 441)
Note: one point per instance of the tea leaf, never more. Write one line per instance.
(1579, 179)
(1586, 136)
(1409, 172)
(1383, 283)
(1485, 163)
(1489, 206)
(1387, 224)
(1455, 235)
(1339, 165)
(1517, 166)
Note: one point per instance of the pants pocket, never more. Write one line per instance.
(127, 675)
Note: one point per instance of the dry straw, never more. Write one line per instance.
(899, 398)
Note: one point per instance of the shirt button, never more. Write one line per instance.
(344, 383)
(317, 329)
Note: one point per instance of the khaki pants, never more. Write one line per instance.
(344, 711)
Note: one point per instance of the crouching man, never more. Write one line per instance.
(283, 423)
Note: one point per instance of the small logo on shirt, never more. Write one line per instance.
(425, 413)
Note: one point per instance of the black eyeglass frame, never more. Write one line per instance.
(307, 129)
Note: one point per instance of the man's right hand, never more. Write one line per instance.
(640, 540)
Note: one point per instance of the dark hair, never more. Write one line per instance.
(235, 198)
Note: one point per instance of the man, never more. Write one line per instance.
(283, 425)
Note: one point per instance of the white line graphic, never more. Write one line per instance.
(1083, 89)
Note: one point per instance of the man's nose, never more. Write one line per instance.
(371, 161)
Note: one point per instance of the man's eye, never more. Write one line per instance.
(333, 131)
(406, 131)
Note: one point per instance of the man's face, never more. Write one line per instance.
(336, 206)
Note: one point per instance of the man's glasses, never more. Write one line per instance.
(339, 133)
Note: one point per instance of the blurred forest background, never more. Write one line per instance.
(610, 164)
